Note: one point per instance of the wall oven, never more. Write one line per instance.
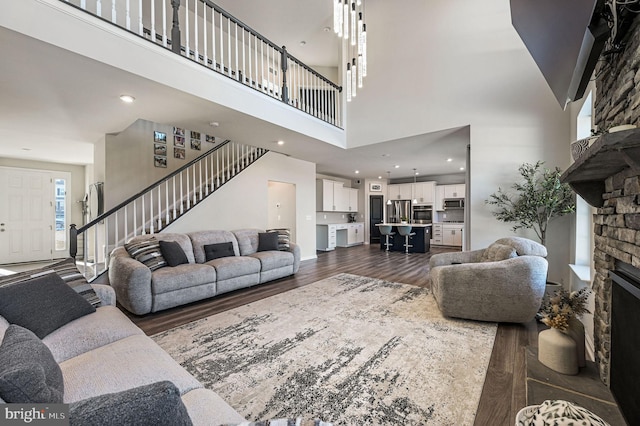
(422, 214)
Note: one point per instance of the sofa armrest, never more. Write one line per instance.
(131, 281)
(106, 294)
(295, 249)
(441, 259)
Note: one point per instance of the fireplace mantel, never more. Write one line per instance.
(609, 155)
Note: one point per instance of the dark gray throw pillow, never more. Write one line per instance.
(28, 372)
(156, 404)
(284, 237)
(173, 253)
(42, 304)
(67, 270)
(267, 241)
(218, 250)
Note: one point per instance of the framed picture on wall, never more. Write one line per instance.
(178, 131)
(196, 144)
(159, 161)
(159, 149)
(195, 135)
(159, 137)
(209, 138)
(375, 187)
(178, 141)
(179, 153)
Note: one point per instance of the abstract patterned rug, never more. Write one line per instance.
(350, 350)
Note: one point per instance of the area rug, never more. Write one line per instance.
(350, 350)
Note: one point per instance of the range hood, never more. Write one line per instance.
(611, 154)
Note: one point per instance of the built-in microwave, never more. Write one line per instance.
(453, 203)
(422, 214)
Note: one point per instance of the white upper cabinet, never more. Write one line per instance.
(332, 196)
(454, 191)
(424, 192)
(401, 191)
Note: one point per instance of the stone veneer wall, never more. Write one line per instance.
(617, 223)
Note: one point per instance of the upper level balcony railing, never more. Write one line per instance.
(202, 32)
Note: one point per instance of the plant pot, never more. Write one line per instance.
(576, 332)
(558, 351)
(551, 288)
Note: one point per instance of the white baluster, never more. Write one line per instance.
(262, 80)
(113, 12)
(140, 26)
(153, 21)
(105, 237)
(83, 4)
(95, 249)
(128, 15)
(200, 177)
(186, 19)
(135, 218)
(164, 23)
(236, 48)
(204, 34)
(195, 30)
(244, 69)
(126, 225)
(151, 216)
(181, 196)
(99, 8)
(229, 46)
(213, 38)
(166, 199)
(116, 228)
(159, 209)
(173, 201)
(142, 218)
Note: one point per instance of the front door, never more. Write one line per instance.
(26, 215)
(376, 215)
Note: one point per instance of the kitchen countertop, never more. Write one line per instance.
(341, 223)
(414, 225)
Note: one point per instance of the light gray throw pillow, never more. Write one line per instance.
(496, 252)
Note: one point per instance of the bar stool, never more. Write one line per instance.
(405, 231)
(386, 231)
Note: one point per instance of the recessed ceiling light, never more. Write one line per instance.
(417, 173)
(379, 177)
(449, 159)
(357, 171)
(280, 142)
(214, 124)
(396, 166)
(461, 168)
(127, 98)
(326, 29)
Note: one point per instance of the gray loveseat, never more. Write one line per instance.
(107, 367)
(141, 290)
(504, 282)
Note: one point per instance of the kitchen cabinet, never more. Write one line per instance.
(332, 196)
(326, 237)
(424, 192)
(353, 235)
(454, 191)
(437, 234)
(400, 191)
(452, 234)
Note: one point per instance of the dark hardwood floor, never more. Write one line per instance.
(504, 391)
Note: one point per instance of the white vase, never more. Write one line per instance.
(558, 351)
(576, 332)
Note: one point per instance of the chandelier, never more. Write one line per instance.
(348, 24)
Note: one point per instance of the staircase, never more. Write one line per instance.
(159, 205)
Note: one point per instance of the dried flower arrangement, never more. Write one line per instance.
(557, 310)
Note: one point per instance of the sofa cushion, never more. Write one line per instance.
(247, 240)
(147, 252)
(231, 267)
(106, 325)
(42, 304)
(173, 253)
(121, 365)
(284, 237)
(267, 241)
(182, 276)
(273, 259)
(67, 270)
(215, 251)
(202, 238)
(28, 372)
(154, 404)
(496, 252)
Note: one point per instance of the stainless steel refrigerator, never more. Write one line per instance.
(397, 210)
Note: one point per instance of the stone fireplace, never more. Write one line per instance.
(607, 176)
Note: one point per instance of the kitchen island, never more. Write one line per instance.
(421, 241)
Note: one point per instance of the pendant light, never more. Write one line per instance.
(415, 200)
(388, 182)
(349, 25)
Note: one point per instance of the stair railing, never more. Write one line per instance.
(203, 32)
(160, 204)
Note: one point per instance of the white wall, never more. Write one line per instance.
(243, 202)
(281, 206)
(439, 79)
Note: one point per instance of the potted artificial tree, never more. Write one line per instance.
(537, 199)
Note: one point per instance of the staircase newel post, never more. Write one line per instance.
(283, 66)
(175, 29)
(73, 240)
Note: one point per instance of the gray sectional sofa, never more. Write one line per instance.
(142, 290)
(112, 373)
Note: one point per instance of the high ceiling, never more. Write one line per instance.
(51, 108)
